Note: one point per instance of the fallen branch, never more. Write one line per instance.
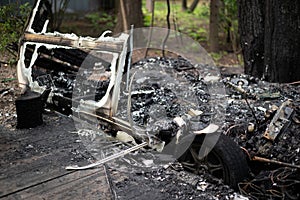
(4, 62)
(8, 80)
(293, 83)
(266, 160)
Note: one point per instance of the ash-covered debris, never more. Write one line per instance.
(252, 105)
(256, 111)
(246, 124)
(158, 99)
(169, 183)
(8, 94)
(281, 183)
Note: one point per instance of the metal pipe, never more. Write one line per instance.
(109, 158)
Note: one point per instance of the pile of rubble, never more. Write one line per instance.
(265, 123)
(263, 118)
(170, 183)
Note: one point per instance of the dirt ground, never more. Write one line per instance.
(9, 91)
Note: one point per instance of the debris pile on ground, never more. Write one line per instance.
(162, 97)
(265, 122)
(169, 183)
(254, 112)
(263, 118)
(8, 94)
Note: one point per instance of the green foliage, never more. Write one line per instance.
(202, 11)
(101, 21)
(229, 18)
(217, 56)
(193, 24)
(12, 20)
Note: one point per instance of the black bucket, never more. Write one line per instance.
(29, 110)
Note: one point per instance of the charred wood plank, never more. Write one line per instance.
(75, 57)
(80, 184)
(32, 165)
(70, 59)
(43, 61)
(72, 56)
(50, 64)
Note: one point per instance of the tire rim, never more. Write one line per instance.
(212, 163)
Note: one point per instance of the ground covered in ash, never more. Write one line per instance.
(251, 108)
(9, 91)
(248, 119)
(169, 183)
(251, 104)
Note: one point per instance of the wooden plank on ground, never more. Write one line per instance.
(32, 165)
(88, 184)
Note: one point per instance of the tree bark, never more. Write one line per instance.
(251, 28)
(133, 15)
(282, 40)
(213, 26)
(270, 39)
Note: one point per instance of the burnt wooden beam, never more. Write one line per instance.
(46, 62)
(73, 56)
(60, 59)
(75, 43)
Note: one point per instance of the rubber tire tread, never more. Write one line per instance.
(233, 159)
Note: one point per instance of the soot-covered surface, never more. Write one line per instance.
(251, 105)
(33, 163)
(268, 181)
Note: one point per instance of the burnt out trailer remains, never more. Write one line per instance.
(89, 77)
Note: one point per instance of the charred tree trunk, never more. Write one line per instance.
(270, 39)
(129, 13)
(251, 28)
(282, 40)
(213, 26)
(184, 5)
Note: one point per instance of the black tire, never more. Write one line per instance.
(225, 160)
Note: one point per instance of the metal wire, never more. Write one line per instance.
(280, 183)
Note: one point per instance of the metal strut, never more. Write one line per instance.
(109, 158)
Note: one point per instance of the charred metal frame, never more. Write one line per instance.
(36, 35)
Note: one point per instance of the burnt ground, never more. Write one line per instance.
(33, 161)
(47, 149)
